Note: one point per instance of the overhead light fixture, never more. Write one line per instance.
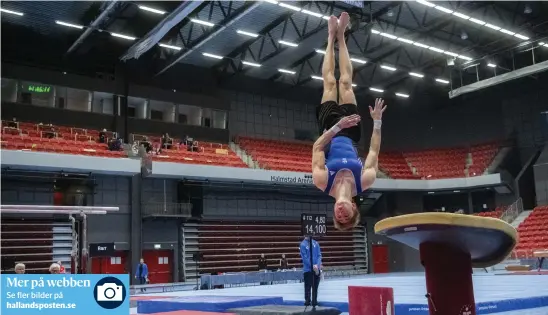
(315, 77)
(212, 56)
(402, 95)
(286, 71)
(206, 23)
(375, 31)
(69, 24)
(442, 9)
(283, 42)
(405, 40)
(527, 9)
(418, 75)
(247, 33)
(388, 35)
(496, 28)
(170, 46)
(123, 36)
(462, 16)
(426, 3)
(149, 9)
(376, 90)
(450, 53)
(464, 58)
(442, 81)
(251, 64)
(456, 191)
(480, 22)
(505, 31)
(354, 85)
(271, 1)
(521, 36)
(358, 60)
(492, 65)
(11, 12)
(319, 51)
(292, 7)
(420, 45)
(312, 13)
(436, 49)
(388, 68)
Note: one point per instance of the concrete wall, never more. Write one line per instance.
(541, 177)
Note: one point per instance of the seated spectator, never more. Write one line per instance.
(20, 268)
(147, 145)
(167, 142)
(115, 144)
(61, 269)
(55, 268)
(192, 146)
(13, 123)
(102, 136)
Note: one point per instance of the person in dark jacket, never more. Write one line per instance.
(311, 273)
(142, 273)
(283, 262)
(262, 263)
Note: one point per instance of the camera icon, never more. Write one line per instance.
(109, 292)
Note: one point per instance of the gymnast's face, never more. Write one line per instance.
(344, 210)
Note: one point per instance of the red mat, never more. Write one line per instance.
(146, 298)
(191, 313)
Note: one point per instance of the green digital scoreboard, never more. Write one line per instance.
(38, 88)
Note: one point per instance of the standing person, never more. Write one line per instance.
(262, 263)
(283, 262)
(336, 167)
(311, 273)
(142, 273)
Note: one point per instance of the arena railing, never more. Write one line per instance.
(83, 211)
(512, 211)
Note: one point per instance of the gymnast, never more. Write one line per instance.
(336, 166)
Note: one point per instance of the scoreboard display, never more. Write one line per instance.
(313, 224)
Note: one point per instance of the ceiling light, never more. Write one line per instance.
(315, 77)
(358, 60)
(418, 75)
(247, 33)
(450, 53)
(420, 45)
(69, 24)
(436, 49)
(320, 51)
(11, 12)
(376, 90)
(442, 9)
(496, 28)
(462, 16)
(206, 23)
(122, 36)
(405, 40)
(283, 42)
(521, 36)
(426, 3)
(464, 57)
(271, 1)
(375, 31)
(312, 13)
(480, 22)
(170, 46)
(388, 68)
(505, 31)
(292, 7)
(388, 35)
(527, 9)
(251, 64)
(354, 85)
(402, 95)
(212, 56)
(442, 81)
(287, 71)
(492, 65)
(142, 7)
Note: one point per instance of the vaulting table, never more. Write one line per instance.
(450, 245)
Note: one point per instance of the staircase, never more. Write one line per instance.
(497, 160)
(243, 155)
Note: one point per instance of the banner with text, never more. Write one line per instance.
(65, 294)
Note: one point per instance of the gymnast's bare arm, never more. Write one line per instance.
(319, 172)
(371, 165)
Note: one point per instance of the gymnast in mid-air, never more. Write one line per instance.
(336, 166)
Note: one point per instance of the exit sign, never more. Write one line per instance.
(39, 88)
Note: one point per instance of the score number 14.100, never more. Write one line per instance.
(314, 224)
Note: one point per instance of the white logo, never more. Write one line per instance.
(465, 310)
(388, 308)
(344, 160)
(331, 172)
(109, 292)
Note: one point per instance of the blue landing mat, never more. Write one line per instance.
(204, 303)
(481, 308)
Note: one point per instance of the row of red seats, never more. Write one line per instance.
(533, 233)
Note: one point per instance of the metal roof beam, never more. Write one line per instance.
(161, 29)
(216, 30)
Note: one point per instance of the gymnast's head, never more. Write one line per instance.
(345, 214)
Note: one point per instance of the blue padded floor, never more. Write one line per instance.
(204, 303)
(494, 294)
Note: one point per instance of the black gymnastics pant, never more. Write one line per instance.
(308, 276)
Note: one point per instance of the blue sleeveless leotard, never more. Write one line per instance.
(343, 156)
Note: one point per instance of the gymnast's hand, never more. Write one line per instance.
(376, 113)
(349, 121)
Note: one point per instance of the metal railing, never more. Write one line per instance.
(179, 209)
(512, 211)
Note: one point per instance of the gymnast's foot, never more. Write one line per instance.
(344, 20)
(332, 26)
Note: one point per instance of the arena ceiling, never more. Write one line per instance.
(396, 46)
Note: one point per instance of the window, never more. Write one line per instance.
(156, 115)
(115, 260)
(163, 261)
